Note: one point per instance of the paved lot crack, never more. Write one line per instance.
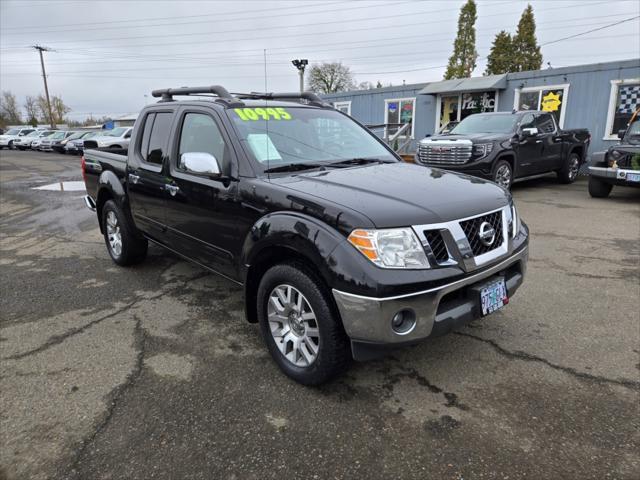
(520, 355)
(140, 341)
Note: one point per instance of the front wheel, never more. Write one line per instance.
(123, 244)
(300, 325)
(503, 174)
(598, 188)
(569, 171)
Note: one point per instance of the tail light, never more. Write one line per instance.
(83, 167)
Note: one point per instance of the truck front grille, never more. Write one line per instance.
(471, 229)
(444, 154)
(438, 247)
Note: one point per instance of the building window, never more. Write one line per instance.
(344, 107)
(454, 108)
(623, 101)
(399, 110)
(552, 99)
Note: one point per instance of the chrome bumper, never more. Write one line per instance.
(611, 173)
(368, 319)
(88, 201)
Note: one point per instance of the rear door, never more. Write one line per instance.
(146, 179)
(551, 142)
(202, 211)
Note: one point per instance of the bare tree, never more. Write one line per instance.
(330, 78)
(59, 108)
(43, 109)
(31, 107)
(9, 109)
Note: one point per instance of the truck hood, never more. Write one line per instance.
(400, 194)
(474, 137)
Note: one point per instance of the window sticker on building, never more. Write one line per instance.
(551, 102)
(629, 99)
(393, 107)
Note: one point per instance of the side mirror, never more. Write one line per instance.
(529, 132)
(21, 134)
(200, 163)
(621, 133)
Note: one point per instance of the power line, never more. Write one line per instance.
(590, 31)
(367, 45)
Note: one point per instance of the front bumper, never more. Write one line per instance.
(367, 320)
(617, 176)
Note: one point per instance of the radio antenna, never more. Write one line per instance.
(266, 122)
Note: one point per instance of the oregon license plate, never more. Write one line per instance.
(633, 177)
(493, 297)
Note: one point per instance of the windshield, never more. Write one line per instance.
(116, 132)
(633, 133)
(13, 131)
(86, 135)
(76, 135)
(35, 133)
(46, 133)
(296, 135)
(480, 123)
(58, 135)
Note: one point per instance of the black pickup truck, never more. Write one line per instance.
(343, 249)
(620, 164)
(507, 147)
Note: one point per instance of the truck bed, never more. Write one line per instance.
(97, 160)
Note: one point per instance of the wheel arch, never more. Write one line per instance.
(109, 188)
(285, 237)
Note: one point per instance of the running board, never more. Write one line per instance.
(531, 177)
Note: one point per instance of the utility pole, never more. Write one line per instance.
(301, 65)
(46, 87)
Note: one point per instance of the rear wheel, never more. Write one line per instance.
(503, 174)
(123, 244)
(569, 171)
(598, 188)
(300, 326)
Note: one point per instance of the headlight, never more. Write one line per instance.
(482, 149)
(390, 248)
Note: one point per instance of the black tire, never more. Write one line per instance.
(498, 175)
(10, 145)
(334, 352)
(133, 247)
(569, 171)
(598, 188)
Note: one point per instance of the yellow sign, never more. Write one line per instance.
(253, 114)
(551, 102)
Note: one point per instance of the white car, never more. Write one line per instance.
(7, 140)
(35, 145)
(117, 138)
(47, 144)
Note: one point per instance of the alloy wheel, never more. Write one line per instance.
(574, 166)
(113, 234)
(503, 176)
(293, 325)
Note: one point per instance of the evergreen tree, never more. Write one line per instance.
(464, 56)
(527, 53)
(501, 58)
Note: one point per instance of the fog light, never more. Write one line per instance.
(403, 321)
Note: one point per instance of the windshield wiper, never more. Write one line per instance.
(356, 161)
(294, 167)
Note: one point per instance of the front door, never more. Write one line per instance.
(530, 159)
(146, 182)
(202, 210)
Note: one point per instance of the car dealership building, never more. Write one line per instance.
(600, 97)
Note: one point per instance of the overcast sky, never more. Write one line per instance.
(109, 55)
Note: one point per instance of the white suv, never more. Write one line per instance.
(12, 135)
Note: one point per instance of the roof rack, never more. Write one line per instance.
(221, 92)
(310, 97)
(234, 100)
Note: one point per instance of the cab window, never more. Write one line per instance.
(157, 127)
(200, 133)
(544, 123)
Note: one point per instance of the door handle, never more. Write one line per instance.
(538, 141)
(134, 178)
(172, 189)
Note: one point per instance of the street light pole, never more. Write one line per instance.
(301, 65)
(46, 87)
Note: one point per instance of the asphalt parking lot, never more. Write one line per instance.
(152, 372)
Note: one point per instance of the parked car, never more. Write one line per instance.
(117, 138)
(7, 140)
(343, 249)
(507, 147)
(35, 144)
(24, 142)
(60, 148)
(47, 144)
(76, 145)
(620, 165)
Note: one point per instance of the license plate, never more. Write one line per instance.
(493, 297)
(633, 177)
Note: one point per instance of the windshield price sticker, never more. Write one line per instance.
(253, 114)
